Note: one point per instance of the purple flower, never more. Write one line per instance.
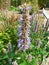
(29, 8)
(29, 17)
(19, 33)
(20, 20)
(19, 45)
(26, 47)
(28, 40)
(28, 31)
(19, 28)
(23, 30)
(20, 42)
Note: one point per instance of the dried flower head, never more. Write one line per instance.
(4, 50)
(14, 63)
(29, 57)
(9, 47)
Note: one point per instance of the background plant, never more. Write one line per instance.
(38, 48)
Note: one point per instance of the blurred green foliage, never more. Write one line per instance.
(10, 34)
(16, 2)
(12, 8)
(39, 3)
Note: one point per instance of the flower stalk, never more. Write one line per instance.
(24, 27)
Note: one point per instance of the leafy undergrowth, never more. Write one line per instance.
(32, 56)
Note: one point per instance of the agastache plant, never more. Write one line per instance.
(24, 27)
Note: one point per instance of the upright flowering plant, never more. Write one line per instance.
(24, 27)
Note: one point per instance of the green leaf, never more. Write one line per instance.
(5, 57)
(24, 63)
